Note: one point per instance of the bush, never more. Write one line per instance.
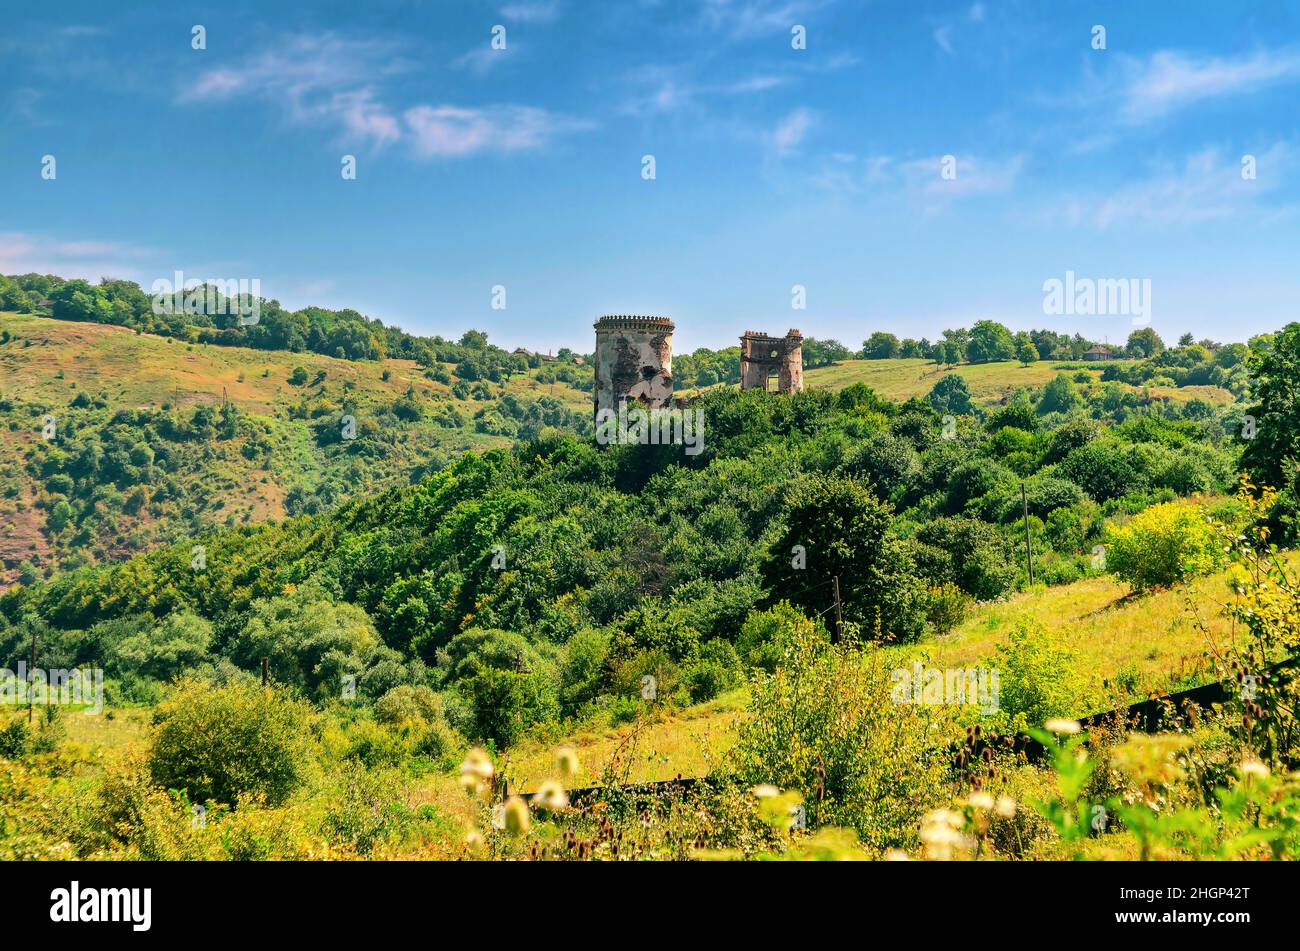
(405, 703)
(971, 554)
(716, 671)
(365, 810)
(948, 606)
(845, 531)
(163, 649)
(825, 724)
(885, 461)
(1037, 678)
(217, 743)
(951, 395)
(1104, 469)
(505, 703)
(582, 669)
(762, 637)
(1162, 546)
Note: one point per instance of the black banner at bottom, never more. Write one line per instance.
(337, 901)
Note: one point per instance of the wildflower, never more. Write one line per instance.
(981, 800)
(897, 855)
(514, 816)
(1253, 768)
(566, 758)
(1005, 807)
(765, 791)
(476, 772)
(941, 835)
(551, 796)
(1062, 727)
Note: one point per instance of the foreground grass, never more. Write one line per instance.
(669, 743)
(1137, 644)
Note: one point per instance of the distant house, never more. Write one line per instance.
(1098, 352)
(529, 354)
(45, 307)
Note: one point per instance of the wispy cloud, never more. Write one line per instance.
(454, 132)
(743, 19)
(791, 131)
(919, 182)
(539, 11)
(663, 90)
(1207, 186)
(482, 59)
(1169, 80)
(316, 79)
(23, 252)
(334, 81)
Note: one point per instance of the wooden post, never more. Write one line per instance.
(266, 671)
(1029, 551)
(31, 676)
(839, 617)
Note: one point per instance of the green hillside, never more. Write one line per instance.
(157, 439)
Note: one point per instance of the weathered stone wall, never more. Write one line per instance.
(634, 362)
(760, 354)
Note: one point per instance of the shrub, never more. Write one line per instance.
(762, 637)
(164, 649)
(716, 671)
(884, 460)
(1162, 546)
(979, 558)
(1037, 678)
(845, 530)
(406, 702)
(1059, 396)
(948, 606)
(825, 724)
(217, 743)
(505, 703)
(951, 395)
(582, 669)
(365, 810)
(1104, 469)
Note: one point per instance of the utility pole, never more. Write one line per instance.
(31, 677)
(1029, 551)
(839, 617)
(266, 671)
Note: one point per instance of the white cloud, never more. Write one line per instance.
(1207, 186)
(333, 81)
(483, 58)
(974, 176)
(942, 36)
(535, 12)
(316, 79)
(671, 89)
(919, 183)
(1170, 80)
(791, 131)
(749, 18)
(23, 253)
(453, 132)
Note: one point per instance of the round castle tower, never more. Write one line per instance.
(634, 362)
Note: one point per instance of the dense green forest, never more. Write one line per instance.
(531, 583)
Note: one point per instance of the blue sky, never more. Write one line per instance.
(774, 166)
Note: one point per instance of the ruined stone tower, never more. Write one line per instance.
(761, 354)
(634, 362)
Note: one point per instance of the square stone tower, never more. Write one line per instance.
(634, 362)
(761, 354)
